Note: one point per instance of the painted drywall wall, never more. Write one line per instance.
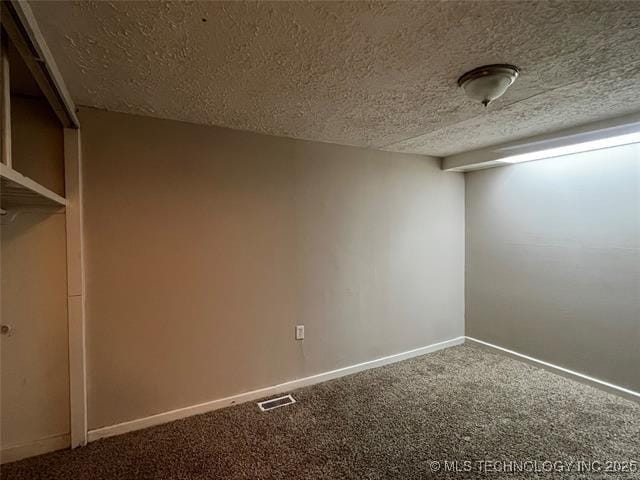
(35, 365)
(206, 246)
(35, 380)
(38, 145)
(553, 261)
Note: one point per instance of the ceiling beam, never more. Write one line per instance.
(493, 156)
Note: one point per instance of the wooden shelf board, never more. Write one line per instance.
(16, 190)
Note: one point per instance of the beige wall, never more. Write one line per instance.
(35, 382)
(553, 261)
(205, 246)
(38, 145)
(35, 378)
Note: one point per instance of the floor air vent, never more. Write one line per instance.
(276, 402)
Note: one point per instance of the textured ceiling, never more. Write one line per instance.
(381, 75)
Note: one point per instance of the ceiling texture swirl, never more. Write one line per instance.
(379, 75)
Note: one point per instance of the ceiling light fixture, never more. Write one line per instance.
(487, 83)
(616, 141)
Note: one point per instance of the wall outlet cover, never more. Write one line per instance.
(299, 332)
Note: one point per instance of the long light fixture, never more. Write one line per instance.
(614, 141)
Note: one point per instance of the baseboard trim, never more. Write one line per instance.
(177, 414)
(31, 449)
(556, 367)
(58, 442)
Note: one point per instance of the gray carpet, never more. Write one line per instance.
(460, 404)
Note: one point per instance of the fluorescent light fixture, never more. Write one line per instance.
(575, 148)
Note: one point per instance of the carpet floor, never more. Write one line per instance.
(463, 412)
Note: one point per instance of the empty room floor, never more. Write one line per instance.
(420, 418)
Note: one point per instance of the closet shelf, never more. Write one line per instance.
(17, 190)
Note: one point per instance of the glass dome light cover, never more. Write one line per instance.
(488, 82)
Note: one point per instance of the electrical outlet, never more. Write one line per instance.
(299, 332)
